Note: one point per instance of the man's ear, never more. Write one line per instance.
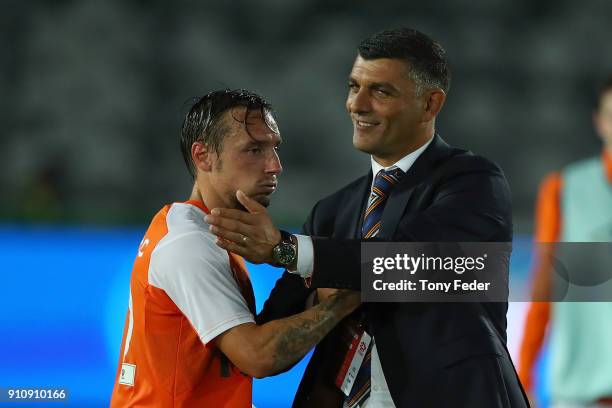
(434, 100)
(201, 155)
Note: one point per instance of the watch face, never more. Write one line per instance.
(284, 253)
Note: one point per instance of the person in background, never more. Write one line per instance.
(574, 205)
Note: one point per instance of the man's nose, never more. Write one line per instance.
(359, 102)
(273, 163)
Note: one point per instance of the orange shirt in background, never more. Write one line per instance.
(548, 224)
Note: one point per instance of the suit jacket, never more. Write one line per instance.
(432, 354)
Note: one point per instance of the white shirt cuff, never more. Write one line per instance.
(305, 261)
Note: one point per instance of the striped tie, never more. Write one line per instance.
(383, 183)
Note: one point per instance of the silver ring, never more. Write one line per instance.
(244, 239)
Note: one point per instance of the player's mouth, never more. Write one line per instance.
(268, 188)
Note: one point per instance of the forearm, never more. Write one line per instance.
(284, 342)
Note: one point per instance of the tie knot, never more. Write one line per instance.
(383, 183)
(386, 179)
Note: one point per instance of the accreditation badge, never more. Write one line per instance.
(356, 353)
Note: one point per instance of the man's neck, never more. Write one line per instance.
(410, 148)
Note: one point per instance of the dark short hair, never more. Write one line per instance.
(204, 122)
(426, 59)
(603, 89)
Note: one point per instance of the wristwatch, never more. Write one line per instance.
(283, 254)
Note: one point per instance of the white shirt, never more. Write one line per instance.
(379, 390)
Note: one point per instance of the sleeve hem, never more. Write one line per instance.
(305, 256)
(209, 335)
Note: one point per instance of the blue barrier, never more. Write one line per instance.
(64, 305)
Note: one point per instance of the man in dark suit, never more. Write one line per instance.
(420, 189)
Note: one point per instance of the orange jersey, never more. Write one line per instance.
(548, 225)
(184, 292)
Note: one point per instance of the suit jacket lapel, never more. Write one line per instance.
(348, 219)
(400, 195)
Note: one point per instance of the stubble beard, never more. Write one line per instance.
(263, 200)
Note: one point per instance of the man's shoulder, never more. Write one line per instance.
(342, 195)
(441, 155)
(465, 159)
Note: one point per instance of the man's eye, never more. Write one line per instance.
(381, 92)
(255, 150)
(353, 87)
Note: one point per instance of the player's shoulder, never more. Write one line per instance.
(189, 236)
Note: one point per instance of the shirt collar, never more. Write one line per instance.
(404, 163)
(199, 204)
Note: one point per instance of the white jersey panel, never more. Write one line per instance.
(196, 274)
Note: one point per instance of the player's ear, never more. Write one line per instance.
(201, 155)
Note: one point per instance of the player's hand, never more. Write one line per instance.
(251, 234)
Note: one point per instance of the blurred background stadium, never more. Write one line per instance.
(92, 95)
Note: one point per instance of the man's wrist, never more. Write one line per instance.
(284, 254)
(293, 265)
(304, 262)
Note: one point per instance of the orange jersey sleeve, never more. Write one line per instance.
(547, 229)
(607, 160)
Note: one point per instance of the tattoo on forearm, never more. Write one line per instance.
(302, 334)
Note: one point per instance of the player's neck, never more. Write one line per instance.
(209, 196)
(195, 194)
